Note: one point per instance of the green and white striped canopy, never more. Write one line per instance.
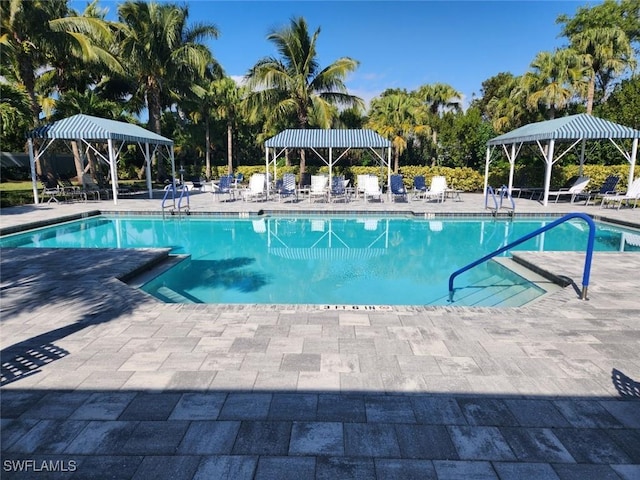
(327, 138)
(94, 128)
(573, 127)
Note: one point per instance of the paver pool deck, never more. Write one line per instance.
(100, 380)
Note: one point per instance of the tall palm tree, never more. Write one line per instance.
(439, 98)
(228, 106)
(160, 52)
(605, 52)
(396, 116)
(554, 80)
(293, 86)
(26, 39)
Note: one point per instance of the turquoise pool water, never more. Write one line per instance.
(320, 260)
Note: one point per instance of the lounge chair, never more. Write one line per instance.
(633, 193)
(419, 186)
(91, 188)
(224, 187)
(318, 187)
(372, 189)
(361, 184)
(287, 188)
(338, 190)
(607, 188)
(196, 184)
(398, 190)
(51, 189)
(437, 189)
(577, 188)
(256, 189)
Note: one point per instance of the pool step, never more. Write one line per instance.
(496, 290)
(171, 296)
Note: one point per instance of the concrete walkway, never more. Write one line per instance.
(99, 380)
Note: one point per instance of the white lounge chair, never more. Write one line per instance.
(256, 189)
(361, 183)
(633, 193)
(574, 191)
(318, 188)
(372, 189)
(437, 189)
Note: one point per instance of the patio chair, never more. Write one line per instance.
(437, 189)
(287, 187)
(361, 184)
(91, 188)
(419, 186)
(398, 190)
(372, 189)
(318, 187)
(256, 189)
(197, 184)
(225, 187)
(633, 193)
(576, 188)
(338, 190)
(51, 189)
(608, 188)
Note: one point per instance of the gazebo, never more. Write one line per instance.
(328, 139)
(91, 130)
(570, 131)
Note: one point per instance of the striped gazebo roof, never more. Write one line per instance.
(573, 127)
(95, 128)
(327, 138)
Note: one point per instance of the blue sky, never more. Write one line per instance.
(399, 44)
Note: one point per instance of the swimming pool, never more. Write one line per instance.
(327, 260)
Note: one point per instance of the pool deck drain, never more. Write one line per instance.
(123, 386)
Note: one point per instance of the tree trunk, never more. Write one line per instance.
(77, 160)
(207, 154)
(396, 160)
(434, 139)
(591, 93)
(229, 148)
(155, 112)
(303, 163)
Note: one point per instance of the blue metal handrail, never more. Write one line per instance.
(587, 261)
(182, 194)
(169, 189)
(504, 192)
(493, 195)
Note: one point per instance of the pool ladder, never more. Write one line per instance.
(498, 205)
(587, 261)
(169, 200)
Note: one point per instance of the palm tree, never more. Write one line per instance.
(396, 116)
(553, 82)
(228, 105)
(294, 87)
(26, 40)
(605, 52)
(160, 52)
(439, 98)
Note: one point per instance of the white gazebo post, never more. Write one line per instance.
(487, 162)
(389, 172)
(632, 160)
(114, 171)
(547, 172)
(32, 165)
(512, 165)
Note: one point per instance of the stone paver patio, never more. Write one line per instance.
(99, 380)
